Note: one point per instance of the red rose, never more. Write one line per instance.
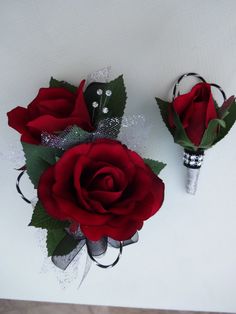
(102, 186)
(51, 111)
(195, 110)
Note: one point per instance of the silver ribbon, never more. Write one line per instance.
(129, 135)
(100, 76)
(192, 180)
(193, 161)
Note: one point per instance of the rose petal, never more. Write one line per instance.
(68, 171)
(145, 207)
(111, 152)
(158, 192)
(48, 94)
(28, 138)
(140, 186)
(119, 234)
(80, 108)
(82, 163)
(105, 197)
(136, 159)
(51, 124)
(108, 175)
(17, 119)
(80, 215)
(59, 108)
(123, 207)
(196, 125)
(45, 194)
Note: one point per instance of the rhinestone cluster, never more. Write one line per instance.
(95, 104)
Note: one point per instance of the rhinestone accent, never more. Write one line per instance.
(95, 104)
(193, 160)
(99, 91)
(105, 110)
(108, 92)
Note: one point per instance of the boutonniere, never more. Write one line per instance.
(197, 122)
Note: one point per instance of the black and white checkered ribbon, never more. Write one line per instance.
(193, 160)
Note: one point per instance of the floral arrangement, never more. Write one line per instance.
(93, 191)
(197, 122)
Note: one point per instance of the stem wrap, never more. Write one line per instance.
(193, 161)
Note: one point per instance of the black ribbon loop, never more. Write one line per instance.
(94, 248)
(18, 187)
(109, 265)
(200, 78)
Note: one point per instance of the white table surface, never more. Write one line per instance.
(186, 256)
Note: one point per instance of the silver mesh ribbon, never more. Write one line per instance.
(129, 135)
(70, 137)
(193, 161)
(73, 135)
(101, 76)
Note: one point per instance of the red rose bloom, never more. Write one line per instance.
(102, 186)
(195, 110)
(51, 111)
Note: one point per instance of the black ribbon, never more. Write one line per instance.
(94, 249)
(18, 187)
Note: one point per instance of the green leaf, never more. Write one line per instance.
(38, 159)
(55, 83)
(66, 245)
(90, 95)
(216, 106)
(115, 103)
(180, 135)
(229, 118)
(223, 111)
(41, 219)
(178, 132)
(164, 109)
(156, 166)
(54, 237)
(210, 133)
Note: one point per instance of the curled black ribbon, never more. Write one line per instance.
(18, 187)
(109, 265)
(200, 78)
(94, 249)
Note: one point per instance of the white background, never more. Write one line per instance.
(186, 256)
